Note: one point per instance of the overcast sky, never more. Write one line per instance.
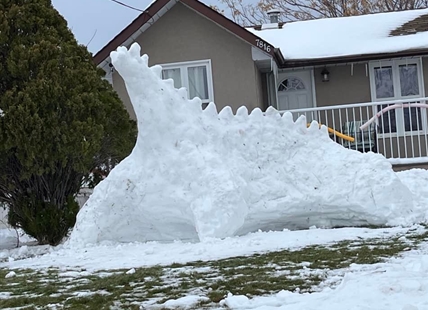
(106, 17)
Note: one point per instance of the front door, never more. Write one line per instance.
(295, 90)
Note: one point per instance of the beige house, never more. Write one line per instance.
(343, 72)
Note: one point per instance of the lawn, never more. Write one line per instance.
(205, 283)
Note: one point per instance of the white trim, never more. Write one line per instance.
(408, 161)
(394, 64)
(314, 97)
(305, 87)
(275, 80)
(184, 77)
(310, 86)
(258, 54)
(109, 76)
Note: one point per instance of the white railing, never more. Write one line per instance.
(397, 128)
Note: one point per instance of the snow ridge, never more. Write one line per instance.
(197, 174)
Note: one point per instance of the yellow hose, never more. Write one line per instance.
(339, 134)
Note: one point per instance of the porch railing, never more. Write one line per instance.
(397, 128)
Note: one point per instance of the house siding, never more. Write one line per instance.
(343, 87)
(119, 86)
(184, 35)
(410, 147)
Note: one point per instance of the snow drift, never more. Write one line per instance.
(195, 174)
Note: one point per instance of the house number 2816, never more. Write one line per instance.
(263, 45)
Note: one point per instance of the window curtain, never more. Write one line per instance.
(410, 87)
(409, 80)
(384, 82)
(174, 74)
(198, 82)
(385, 89)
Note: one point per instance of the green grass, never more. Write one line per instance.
(263, 273)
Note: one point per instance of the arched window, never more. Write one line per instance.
(290, 84)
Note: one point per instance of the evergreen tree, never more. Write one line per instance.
(60, 120)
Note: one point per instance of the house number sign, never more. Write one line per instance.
(263, 45)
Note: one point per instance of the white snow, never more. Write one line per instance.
(10, 274)
(111, 255)
(195, 175)
(184, 302)
(400, 284)
(342, 36)
(3, 218)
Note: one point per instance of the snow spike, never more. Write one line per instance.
(135, 50)
(256, 114)
(287, 119)
(314, 127)
(226, 113)
(324, 129)
(195, 102)
(273, 113)
(182, 91)
(210, 110)
(301, 123)
(169, 82)
(145, 59)
(242, 113)
(156, 69)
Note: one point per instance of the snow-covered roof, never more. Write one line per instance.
(346, 36)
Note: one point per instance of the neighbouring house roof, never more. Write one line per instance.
(159, 7)
(352, 38)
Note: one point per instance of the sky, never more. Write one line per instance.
(105, 18)
(102, 17)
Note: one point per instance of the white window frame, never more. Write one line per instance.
(395, 63)
(183, 66)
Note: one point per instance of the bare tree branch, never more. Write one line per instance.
(291, 10)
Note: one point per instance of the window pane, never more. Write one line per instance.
(412, 119)
(387, 122)
(172, 74)
(409, 80)
(291, 84)
(384, 82)
(198, 82)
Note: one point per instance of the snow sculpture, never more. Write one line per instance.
(195, 174)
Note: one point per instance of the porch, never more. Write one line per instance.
(396, 129)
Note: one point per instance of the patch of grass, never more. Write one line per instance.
(263, 273)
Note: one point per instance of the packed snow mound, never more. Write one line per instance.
(196, 174)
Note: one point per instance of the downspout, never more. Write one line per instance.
(279, 62)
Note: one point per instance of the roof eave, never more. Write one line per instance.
(293, 63)
(199, 7)
(129, 30)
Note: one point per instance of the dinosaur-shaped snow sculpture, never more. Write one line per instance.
(195, 174)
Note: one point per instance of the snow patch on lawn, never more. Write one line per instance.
(186, 302)
(399, 284)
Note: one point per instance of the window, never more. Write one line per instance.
(291, 84)
(396, 80)
(195, 76)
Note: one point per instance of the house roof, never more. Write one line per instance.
(159, 7)
(304, 43)
(352, 38)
